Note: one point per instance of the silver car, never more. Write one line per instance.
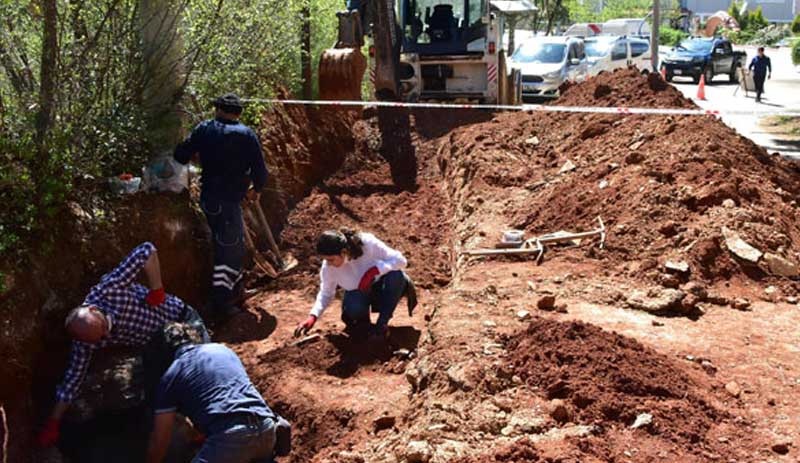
(548, 62)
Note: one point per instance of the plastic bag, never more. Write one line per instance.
(165, 174)
(124, 184)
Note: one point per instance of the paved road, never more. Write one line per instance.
(781, 92)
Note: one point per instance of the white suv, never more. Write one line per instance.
(609, 52)
(547, 62)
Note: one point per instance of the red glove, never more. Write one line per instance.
(49, 434)
(305, 326)
(367, 279)
(156, 297)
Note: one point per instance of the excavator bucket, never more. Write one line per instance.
(340, 73)
(341, 68)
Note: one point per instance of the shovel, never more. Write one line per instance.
(284, 265)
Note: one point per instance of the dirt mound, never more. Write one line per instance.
(624, 87)
(604, 378)
(665, 186)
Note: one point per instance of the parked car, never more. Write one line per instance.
(609, 52)
(547, 62)
(709, 57)
(630, 27)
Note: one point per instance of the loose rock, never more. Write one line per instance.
(733, 389)
(740, 248)
(677, 266)
(643, 420)
(418, 452)
(559, 411)
(661, 300)
(567, 167)
(546, 302)
(741, 303)
(781, 448)
(523, 315)
(779, 266)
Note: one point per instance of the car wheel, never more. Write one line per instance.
(669, 77)
(734, 75)
(709, 73)
(696, 78)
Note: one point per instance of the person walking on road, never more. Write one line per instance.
(117, 312)
(371, 274)
(231, 158)
(207, 383)
(760, 65)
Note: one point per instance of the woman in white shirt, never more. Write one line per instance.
(371, 274)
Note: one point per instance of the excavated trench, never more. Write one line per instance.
(320, 161)
(428, 183)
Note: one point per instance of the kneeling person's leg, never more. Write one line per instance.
(391, 288)
(355, 308)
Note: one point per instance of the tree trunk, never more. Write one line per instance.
(163, 68)
(44, 118)
(305, 62)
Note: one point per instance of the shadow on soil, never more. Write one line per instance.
(254, 324)
(354, 355)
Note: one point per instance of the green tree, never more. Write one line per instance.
(796, 25)
(796, 53)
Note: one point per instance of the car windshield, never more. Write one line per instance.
(537, 52)
(597, 48)
(701, 46)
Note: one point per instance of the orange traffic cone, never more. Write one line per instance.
(701, 88)
(664, 73)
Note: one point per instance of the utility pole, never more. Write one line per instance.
(654, 34)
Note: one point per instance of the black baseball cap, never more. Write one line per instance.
(229, 102)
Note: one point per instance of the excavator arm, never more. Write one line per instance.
(341, 68)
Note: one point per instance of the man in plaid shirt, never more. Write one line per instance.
(117, 312)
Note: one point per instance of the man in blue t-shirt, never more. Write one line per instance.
(230, 155)
(207, 383)
(760, 65)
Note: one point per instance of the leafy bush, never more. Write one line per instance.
(670, 36)
(768, 36)
(796, 53)
(796, 25)
(102, 122)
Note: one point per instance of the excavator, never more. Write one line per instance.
(422, 50)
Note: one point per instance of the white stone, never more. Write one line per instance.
(532, 141)
(418, 452)
(739, 247)
(523, 315)
(644, 419)
(567, 167)
(677, 266)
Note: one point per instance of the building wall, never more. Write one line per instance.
(779, 11)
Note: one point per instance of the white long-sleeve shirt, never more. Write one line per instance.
(348, 275)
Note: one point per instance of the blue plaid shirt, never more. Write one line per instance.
(133, 322)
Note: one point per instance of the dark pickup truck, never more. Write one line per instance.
(694, 57)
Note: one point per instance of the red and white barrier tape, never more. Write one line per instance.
(537, 107)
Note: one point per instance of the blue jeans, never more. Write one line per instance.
(227, 236)
(241, 443)
(383, 298)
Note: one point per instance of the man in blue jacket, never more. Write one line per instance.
(230, 156)
(208, 384)
(760, 65)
